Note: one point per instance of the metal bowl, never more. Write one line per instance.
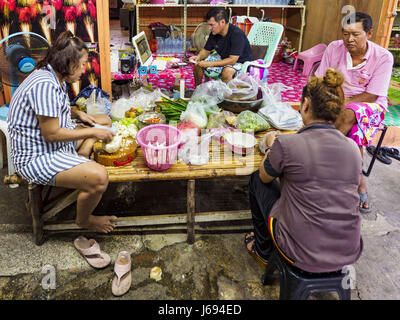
(237, 106)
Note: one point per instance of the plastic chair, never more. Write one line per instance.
(310, 57)
(3, 128)
(261, 34)
(296, 284)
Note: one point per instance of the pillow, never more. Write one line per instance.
(258, 52)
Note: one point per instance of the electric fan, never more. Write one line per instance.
(200, 36)
(19, 54)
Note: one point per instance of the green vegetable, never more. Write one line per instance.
(249, 121)
(172, 109)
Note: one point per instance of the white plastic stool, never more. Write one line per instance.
(3, 128)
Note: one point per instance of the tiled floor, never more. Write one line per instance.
(119, 38)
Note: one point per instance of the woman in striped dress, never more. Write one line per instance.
(48, 148)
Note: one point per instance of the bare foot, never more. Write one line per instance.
(103, 224)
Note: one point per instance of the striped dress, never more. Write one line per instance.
(34, 158)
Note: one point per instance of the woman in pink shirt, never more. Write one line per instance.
(367, 69)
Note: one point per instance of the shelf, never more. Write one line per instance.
(219, 5)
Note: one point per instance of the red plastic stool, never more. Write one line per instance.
(310, 57)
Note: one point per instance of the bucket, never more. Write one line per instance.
(159, 144)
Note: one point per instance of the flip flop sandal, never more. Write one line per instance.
(248, 238)
(380, 156)
(123, 276)
(391, 152)
(90, 250)
(363, 198)
(262, 262)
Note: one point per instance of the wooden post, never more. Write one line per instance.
(103, 32)
(34, 208)
(191, 207)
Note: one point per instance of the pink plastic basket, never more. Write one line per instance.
(159, 144)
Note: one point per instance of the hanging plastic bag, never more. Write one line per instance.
(244, 88)
(279, 114)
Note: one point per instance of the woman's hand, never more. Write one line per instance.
(270, 138)
(85, 118)
(104, 135)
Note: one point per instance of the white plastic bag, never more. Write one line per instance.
(279, 114)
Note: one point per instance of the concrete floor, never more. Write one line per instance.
(216, 266)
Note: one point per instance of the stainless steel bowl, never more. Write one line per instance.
(237, 106)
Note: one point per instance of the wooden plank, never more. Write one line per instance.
(61, 205)
(103, 31)
(161, 220)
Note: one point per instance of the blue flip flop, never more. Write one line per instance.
(363, 198)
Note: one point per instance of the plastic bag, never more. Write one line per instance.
(219, 119)
(145, 99)
(248, 121)
(213, 91)
(119, 108)
(96, 95)
(195, 112)
(262, 145)
(95, 104)
(194, 151)
(279, 114)
(244, 88)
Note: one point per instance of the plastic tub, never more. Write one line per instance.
(159, 144)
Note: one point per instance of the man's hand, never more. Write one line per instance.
(204, 64)
(194, 59)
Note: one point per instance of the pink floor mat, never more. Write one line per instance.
(278, 73)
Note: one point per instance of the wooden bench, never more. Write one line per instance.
(42, 205)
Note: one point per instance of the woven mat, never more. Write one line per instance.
(392, 117)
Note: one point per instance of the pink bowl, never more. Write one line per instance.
(159, 144)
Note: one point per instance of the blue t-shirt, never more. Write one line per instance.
(235, 43)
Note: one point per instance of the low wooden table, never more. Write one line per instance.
(223, 163)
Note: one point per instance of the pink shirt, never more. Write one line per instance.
(371, 76)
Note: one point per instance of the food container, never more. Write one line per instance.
(240, 143)
(236, 106)
(159, 144)
(150, 118)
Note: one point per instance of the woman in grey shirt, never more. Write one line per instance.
(312, 215)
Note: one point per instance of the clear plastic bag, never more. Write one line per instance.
(95, 104)
(194, 151)
(219, 119)
(248, 121)
(195, 112)
(244, 88)
(279, 114)
(213, 91)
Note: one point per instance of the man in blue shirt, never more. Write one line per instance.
(229, 42)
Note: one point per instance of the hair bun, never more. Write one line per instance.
(333, 78)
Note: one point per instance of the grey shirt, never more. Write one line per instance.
(318, 224)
